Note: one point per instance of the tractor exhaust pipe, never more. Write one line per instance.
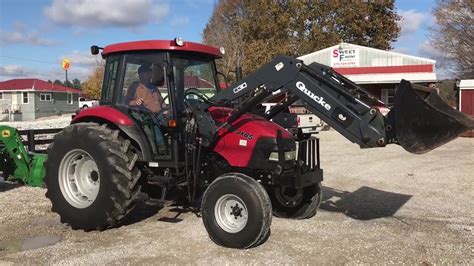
(422, 121)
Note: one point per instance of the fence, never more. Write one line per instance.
(37, 140)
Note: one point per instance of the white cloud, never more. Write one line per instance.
(179, 21)
(427, 50)
(78, 72)
(17, 37)
(13, 71)
(123, 13)
(410, 21)
(49, 73)
(83, 59)
(402, 50)
(444, 69)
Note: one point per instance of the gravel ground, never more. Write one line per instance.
(45, 122)
(380, 206)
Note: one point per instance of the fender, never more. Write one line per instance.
(106, 113)
(113, 116)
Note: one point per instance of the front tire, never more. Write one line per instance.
(236, 211)
(91, 176)
(292, 203)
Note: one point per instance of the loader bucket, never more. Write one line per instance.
(423, 121)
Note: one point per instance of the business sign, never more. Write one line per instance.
(66, 64)
(341, 57)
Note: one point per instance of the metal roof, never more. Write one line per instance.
(33, 85)
(466, 84)
(162, 45)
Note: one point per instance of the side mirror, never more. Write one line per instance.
(95, 49)
(157, 78)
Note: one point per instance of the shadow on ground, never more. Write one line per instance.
(363, 204)
(142, 211)
(8, 186)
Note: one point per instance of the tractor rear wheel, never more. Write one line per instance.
(293, 203)
(91, 176)
(236, 211)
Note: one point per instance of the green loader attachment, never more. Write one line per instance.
(16, 163)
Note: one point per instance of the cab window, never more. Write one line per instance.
(135, 66)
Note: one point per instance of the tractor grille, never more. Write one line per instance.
(308, 152)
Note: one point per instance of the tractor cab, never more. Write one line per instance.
(149, 80)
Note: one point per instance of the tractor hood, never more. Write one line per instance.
(249, 140)
(248, 123)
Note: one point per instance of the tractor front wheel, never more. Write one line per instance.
(236, 211)
(91, 176)
(293, 203)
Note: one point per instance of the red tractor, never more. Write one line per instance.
(164, 127)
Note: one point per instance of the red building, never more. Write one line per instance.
(466, 99)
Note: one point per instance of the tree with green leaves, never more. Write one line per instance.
(67, 83)
(76, 84)
(254, 32)
(453, 34)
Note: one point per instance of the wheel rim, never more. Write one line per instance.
(231, 213)
(79, 178)
(289, 197)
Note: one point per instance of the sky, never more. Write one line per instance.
(35, 35)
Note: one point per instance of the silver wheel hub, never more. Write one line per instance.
(79, 178)
(231, 213)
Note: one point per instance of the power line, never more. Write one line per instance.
(32, 60)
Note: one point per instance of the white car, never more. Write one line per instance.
(85, 103)
(306, 123)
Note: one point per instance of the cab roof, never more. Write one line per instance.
(162, 45)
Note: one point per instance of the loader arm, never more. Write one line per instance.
(346, 107)
(331, 97)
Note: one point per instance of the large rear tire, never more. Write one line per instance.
(300, 203)
(91, 176)
(236, 211)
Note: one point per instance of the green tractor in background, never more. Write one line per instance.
(16, 163)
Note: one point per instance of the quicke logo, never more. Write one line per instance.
(320, 100)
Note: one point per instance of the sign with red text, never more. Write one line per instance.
(341, 57)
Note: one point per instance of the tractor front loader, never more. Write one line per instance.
(238, 168)
(16, 163)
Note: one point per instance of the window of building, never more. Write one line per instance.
(25, 97)
(70, 100)
(45, 97)
(1, 95)
(388, 96)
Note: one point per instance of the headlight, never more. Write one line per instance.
(289, 156)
